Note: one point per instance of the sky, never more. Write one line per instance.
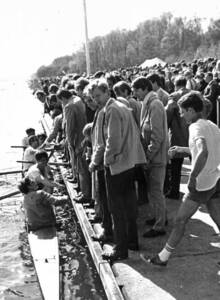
(34, 33)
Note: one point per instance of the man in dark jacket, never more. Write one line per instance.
(178, 136)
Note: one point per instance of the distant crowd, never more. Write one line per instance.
(125, 134)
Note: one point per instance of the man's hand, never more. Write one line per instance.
(173, 151)
(92, 167)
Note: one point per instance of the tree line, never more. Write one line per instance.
(168, 37)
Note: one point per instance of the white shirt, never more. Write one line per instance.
(210, 174)
(25, 142)
(29, 155)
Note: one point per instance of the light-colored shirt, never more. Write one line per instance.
(208, 131)
(29, 155)
(35, 175)
(25, 142)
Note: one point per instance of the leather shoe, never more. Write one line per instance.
(153, 233)
(114, 256)
(95, 219)
(82, 200)
(102, 238)
(155, 260)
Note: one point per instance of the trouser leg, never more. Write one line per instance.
(156, 197)
(122, 200)
(176, 166)
(106, 215)
(72, 160)
(84, 176)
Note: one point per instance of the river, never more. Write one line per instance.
(20, 110)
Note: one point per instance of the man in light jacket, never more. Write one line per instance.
(122, 151)
(154, 131)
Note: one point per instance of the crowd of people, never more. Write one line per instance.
(125, 134)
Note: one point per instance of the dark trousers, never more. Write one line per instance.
(123, 206)
(173, 176)
(102, 196)
(140, 179)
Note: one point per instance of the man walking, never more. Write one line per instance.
(204, 179)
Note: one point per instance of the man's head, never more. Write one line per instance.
(191, 106)
(33, 141)
(80, 84)
(26, 185)
(141, 86)
(30, 131)
(41, 96)
(99, 91)
(88, 99)
(64, 96)
(41, 138)
(122, 89)
(180, 82)
(87, 131)
(110, 78)
(208, 77)
(42, 158)
(53, 88)
(155, 80)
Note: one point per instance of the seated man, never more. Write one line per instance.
(38, 205)
(29, 153)
(41, 173)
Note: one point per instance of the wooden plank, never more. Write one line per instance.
(45, 253)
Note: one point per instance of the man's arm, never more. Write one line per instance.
(54, 133)
(114, 136)
(99, 146)
(70, 124)
(157, 130)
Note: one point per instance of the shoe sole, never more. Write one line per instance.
(149, 262)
